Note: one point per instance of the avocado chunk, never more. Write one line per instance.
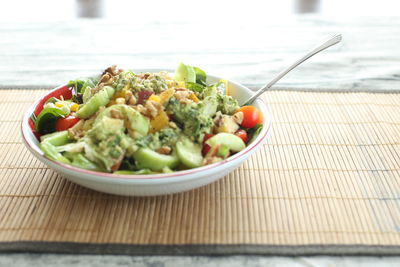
(101, 98)
(147, 158)
(210, 106)
(233, 142)
(134, 120)
(189, 153)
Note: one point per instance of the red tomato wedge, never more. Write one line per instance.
(66, 123)
(251, 116)
(242, 134)
(206, 147)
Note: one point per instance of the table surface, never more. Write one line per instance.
(46, 54)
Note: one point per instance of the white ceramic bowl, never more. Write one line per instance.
(151, 184)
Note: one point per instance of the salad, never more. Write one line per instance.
(140, 123)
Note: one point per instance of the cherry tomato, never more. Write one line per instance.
(66, 123)
(116, 166)
(206, 147)
(242, 134)
(251, 116)
(207, 136)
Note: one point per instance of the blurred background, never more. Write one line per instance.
(190, 10)
(43, 43)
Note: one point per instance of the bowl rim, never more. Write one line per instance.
(174, 176)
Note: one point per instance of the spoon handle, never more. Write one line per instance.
(331, 41)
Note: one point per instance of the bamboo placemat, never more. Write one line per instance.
(326, 181)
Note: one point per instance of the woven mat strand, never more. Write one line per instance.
(328, 175)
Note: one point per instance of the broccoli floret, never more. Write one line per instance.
(190, 115)
(227, 104)
(165, 137)
(210, 91)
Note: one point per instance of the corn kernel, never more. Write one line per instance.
(74, 107)
(59, 104)
(155, 98)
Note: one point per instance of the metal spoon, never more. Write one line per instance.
(332, 41)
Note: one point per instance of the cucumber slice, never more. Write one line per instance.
(232, 141)
(51, 152)
(101, 98)
(185, 73)
(82, 162)
(57, 138)
(149, 159)
(189, 153)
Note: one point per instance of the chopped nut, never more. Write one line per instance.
(153, 108)
(77, 131)
(225, 123)
(141, 109)
(145, 76)
(166, 150)
(238, 117)
(116, 114)
(105, 78)
(112, 70)
(211, 160)
(173, 125)
(130, 98)
(120, 100)
(183, 96)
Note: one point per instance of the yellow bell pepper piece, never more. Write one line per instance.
(155, 98)
(226, 83)
(166, 95)
(193, 97)
(159, 122)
